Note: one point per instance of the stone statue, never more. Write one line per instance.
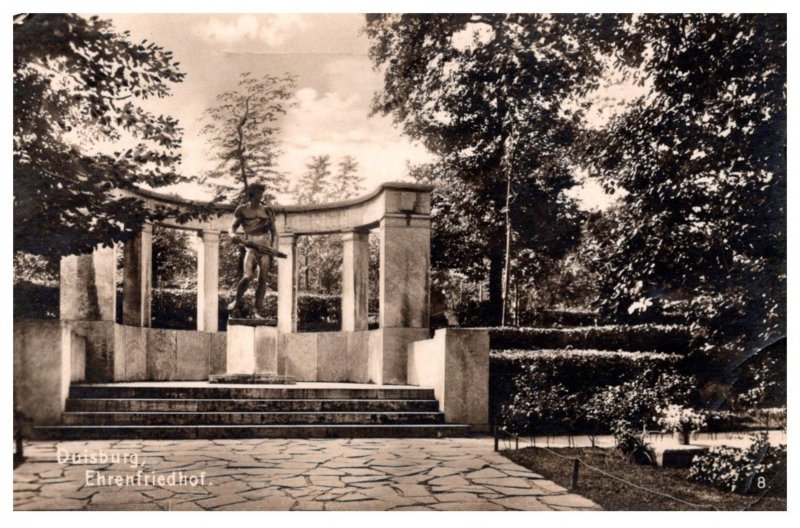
(260, 240)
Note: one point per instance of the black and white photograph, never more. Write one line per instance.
(403, 261)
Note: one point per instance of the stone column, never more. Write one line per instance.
(88, 286)
(355, 280)
(287, 284)
(137, 278)
(208, 282)
(405, 271)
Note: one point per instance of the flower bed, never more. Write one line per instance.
(751, 470)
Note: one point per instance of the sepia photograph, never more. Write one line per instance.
(490, 261)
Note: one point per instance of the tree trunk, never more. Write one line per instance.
(494, 313)
(507, 263)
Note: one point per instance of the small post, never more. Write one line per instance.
(20, 447)
(574, 484)
(516, 442)
(496, 440)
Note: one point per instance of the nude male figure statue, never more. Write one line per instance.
(260, 239)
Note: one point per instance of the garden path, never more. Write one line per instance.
(336, 474)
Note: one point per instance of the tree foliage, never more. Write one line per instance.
(321, 256)
(81, 134)
(243, 134)
(346, 182)
(486, 93)
(174, 259)
(702, 156)
(314, 185)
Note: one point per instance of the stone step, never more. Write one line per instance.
(249, 418)
(165, 391)
(248, 405)
(97, 432)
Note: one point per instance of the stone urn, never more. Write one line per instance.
(683, 437)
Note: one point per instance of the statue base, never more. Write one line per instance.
(242, 321)
(266, 378)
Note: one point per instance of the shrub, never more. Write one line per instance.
(638, 401)
(173, 308)
(535, 392)
(472, 313)
(633, 338)
(749, 470)
(681, 419)
(631, 443)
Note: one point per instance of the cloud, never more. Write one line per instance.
(338, 125)
(272, 30)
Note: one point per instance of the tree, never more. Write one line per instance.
(80, 137)
(488, 94)
(702, 156)
(346, 183)
(174, 260)
(243, 135)
(320, 267)
(314, 185)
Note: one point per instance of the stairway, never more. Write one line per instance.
(202, 410)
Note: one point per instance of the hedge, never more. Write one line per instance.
(177, 308)
(630, 338)
(35, 301)
(575, 374)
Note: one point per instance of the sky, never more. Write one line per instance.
(335, 85)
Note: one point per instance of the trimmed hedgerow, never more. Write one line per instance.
(177, 308)
(631, 338)
(35, 301)
(552, 391)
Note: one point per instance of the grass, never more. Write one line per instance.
(612, 494)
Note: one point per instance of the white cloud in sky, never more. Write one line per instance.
(272, 30)
(337, 125)
(336, 82)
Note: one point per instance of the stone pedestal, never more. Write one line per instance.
(88, 287)
(252, 349)
(675, 455)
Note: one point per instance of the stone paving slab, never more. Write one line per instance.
(281, 475)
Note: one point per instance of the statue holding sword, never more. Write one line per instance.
(260, 240)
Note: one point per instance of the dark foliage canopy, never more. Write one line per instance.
(702, 156)
(487, 94)
(82, 136)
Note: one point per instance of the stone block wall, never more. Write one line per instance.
(368, 356)
(42, 369)
(456, 364)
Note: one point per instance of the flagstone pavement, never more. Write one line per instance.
(258, 474)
